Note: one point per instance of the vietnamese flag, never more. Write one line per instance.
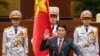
(41, 23)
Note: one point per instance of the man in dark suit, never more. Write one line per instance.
(59, 45)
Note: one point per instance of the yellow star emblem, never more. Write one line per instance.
(40, 6)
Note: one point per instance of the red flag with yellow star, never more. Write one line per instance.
(41, 23)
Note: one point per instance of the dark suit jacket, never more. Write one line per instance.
(67, 46)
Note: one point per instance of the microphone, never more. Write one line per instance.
(53, 53)
(80, 55)
(63, 53)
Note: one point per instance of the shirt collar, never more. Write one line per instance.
(85, 27)
(14, 27)
(60, 39)
(54, 25)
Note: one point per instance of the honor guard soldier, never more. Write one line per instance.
(86, 36)
(54, 17)
(15, 38)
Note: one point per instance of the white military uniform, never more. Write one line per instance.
(8, 40)
(88, 47)
(54, 11)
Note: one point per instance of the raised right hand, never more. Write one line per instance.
(46, 34)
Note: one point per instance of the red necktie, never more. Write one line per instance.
(59, 45)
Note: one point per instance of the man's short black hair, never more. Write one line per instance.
(62, 26)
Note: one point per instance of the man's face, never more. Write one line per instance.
(53, 19)
(61, 32)
(86, 21)
(15, 21)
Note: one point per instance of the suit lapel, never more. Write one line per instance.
(64, 43)
(19, 30)
(55, 43)
(12, 32)
(89, 29)
(83, 29)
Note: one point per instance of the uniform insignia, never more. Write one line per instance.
(90, 34)
(11, 34)
(82, 33)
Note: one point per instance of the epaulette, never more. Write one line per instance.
(78, 26)
(6, 28)
(24, 28)
(96, 31)
(95, 27)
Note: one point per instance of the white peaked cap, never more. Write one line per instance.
(15, 14)
(86, 13)
(54, 10)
